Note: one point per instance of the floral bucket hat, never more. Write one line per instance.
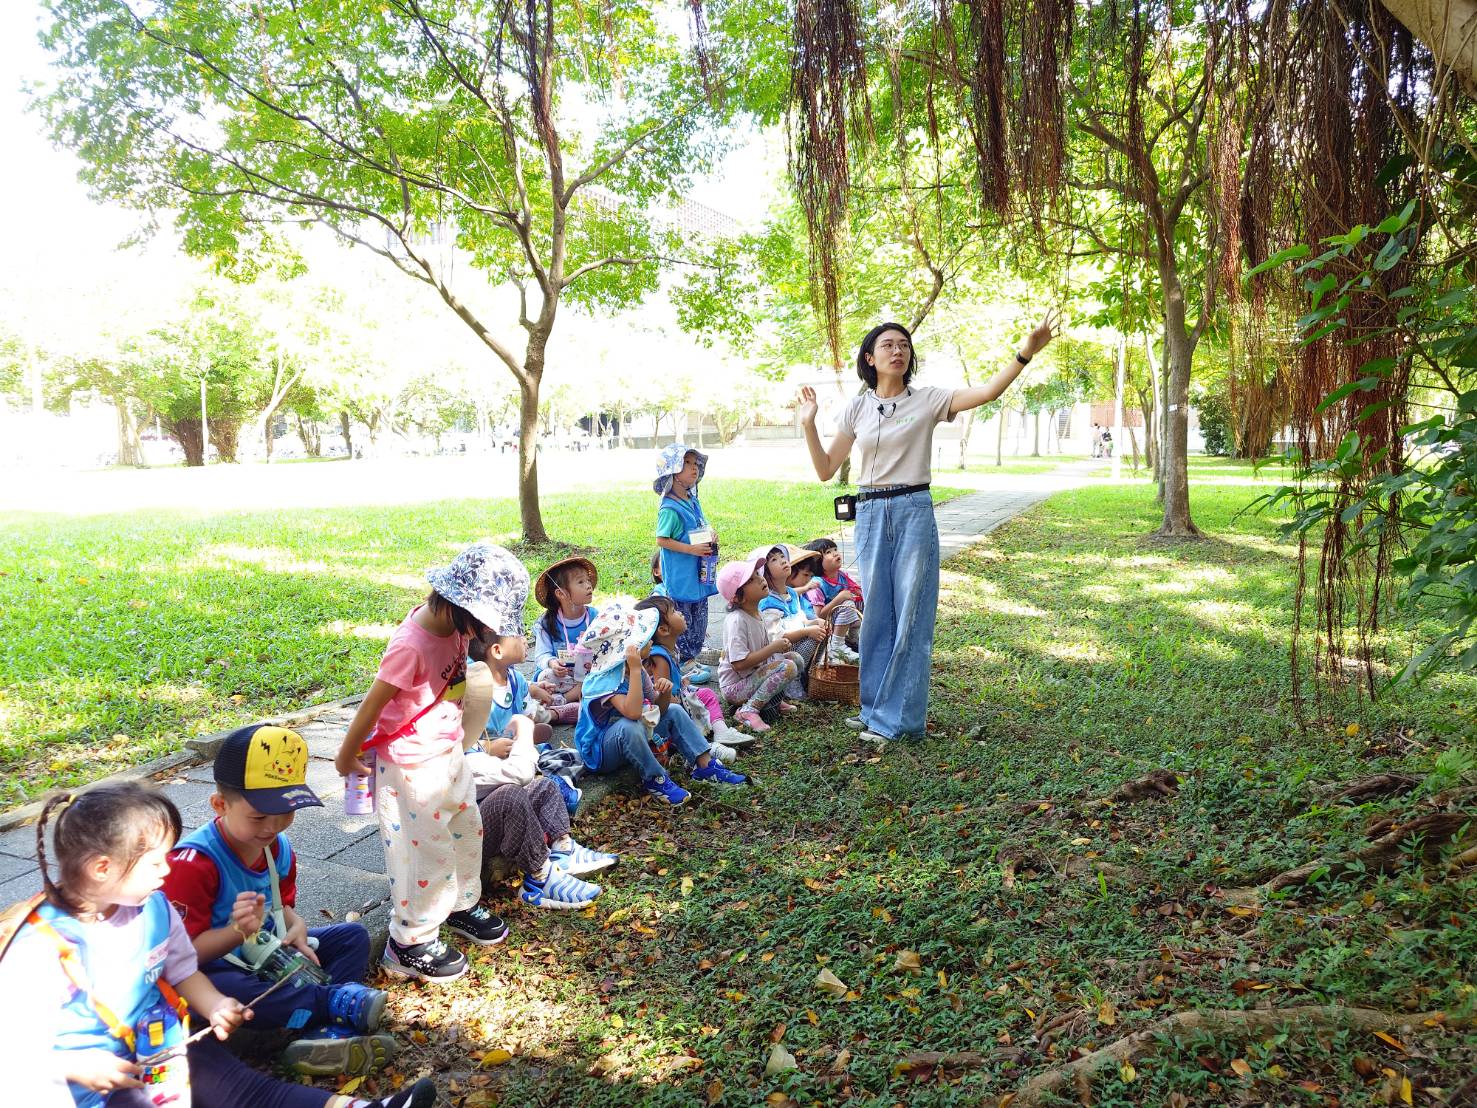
(487, 581)
(617, 626)
(669, 463)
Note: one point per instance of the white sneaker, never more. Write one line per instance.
(724, 754)
(846, 654)
(729, 736)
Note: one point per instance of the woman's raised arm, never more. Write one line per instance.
(965, 399)
(826, 462)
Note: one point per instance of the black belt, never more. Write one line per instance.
(887, 494)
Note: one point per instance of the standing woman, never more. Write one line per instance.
(896, 536)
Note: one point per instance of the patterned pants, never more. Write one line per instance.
(690, 644)
(433, 842)
(521, 821)
(766, 681)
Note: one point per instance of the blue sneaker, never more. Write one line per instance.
(717, 771)
(579, 860)
(663, 787)
(699, 674)
(356, 1006)
(570, 793)
(559, 890)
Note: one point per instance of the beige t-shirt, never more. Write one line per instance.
(742, 635)
(896, 434)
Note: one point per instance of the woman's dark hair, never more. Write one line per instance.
(821, 546)
(656, 565)
(464, 621)
(868, 373)
(122, 820)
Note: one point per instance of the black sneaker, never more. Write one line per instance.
(478, 925)
(433, 961)
(420, 1095)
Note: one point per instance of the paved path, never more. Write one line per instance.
(342, 867)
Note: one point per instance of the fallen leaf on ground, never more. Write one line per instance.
(1241, 1067)
(1107, 1015)
(908, 960)
(780, 1060)
(828, 982)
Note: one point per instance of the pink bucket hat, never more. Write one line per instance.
(734, 575)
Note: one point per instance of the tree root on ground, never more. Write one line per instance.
(1217, 1021)
(1435, 828)
(1381, 784)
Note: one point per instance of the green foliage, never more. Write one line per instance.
(1433, 495)
(1215, 423)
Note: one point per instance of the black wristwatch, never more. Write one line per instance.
(1022, 358)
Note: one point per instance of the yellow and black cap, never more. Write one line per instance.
(268, 765)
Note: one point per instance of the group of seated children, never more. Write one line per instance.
(446, 741)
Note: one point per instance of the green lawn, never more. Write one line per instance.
(1024, 466)
(954, 887)
(124, 635)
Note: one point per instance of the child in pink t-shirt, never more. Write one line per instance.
(410, 721)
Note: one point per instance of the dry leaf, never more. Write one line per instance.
(841, 1061)
(686, 885)
(780, 1060)
(1391, 1040)
(908, 960)
(715, 1091)
(1405, 1091)
(1240, 1067)
(828, 982)
(502, 1057)
(1107, 1015)
(1127, 1072)
(350, 1085)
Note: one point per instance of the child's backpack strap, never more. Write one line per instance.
(14, 918)
(27, 914)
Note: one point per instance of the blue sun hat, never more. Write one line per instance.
(487, 581)
(669, 463)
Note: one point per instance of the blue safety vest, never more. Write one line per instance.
(236, 877)
(680, 571)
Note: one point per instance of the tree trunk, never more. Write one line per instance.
(186, 432)
(1036, 434)
(311, 436)
(1146, 406)
(130, 449)
(1180, 350)
(529, 510)
(1120, 356)
(1449, 30)
(225, 436)
(1000, 438)
(964, 436)
(344, 428)
(1161, 423)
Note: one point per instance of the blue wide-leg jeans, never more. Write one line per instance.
(898, 553)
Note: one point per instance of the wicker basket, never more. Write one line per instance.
(828, 681)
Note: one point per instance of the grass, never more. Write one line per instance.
(124, 635)
(1024, 466)
(940, 881)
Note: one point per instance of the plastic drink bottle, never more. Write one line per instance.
(359, 791)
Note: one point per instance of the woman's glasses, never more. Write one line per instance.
(901, 346)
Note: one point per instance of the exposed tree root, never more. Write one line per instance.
(1159, 782)
(1381, 784)
(1217, 1021)
(1434, 828)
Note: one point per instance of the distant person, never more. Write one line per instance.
(1097, 441)
(896, 536)
(1107, 445)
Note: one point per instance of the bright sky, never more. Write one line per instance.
(57, 237)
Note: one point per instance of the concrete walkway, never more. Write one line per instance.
(342, 867)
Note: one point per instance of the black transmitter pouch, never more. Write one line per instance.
(845, 508)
